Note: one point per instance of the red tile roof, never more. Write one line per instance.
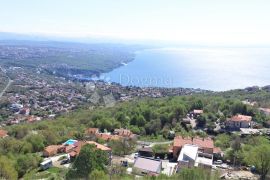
(51, 150)
(107, 137)
(3, 133)
(78, 146)
(180, 141)
(204, 142)
(217, 150)
(240, 117)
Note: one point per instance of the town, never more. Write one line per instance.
(169, 157)
(33, 95)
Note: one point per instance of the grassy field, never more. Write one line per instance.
(51, 173)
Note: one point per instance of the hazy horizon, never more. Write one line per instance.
(242, 23)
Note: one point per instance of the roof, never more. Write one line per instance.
(267, 110)
(91, 131)
(78, 146)
(148, 164)
(45, 162)
(3, 133)
(123, 132)
(204, 161)
(217, 150)
(99, 146)
(107, 137)
(52, 148)
(249, 131)
(180, 141)
(204, 142)
(146, 149)
(69, 148)
(197, 111)
(240, 117)
(188, 152)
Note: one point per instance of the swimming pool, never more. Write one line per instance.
(70, 142)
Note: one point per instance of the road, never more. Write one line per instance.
(7, 86)
(151, 144)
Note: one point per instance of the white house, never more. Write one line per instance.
(238, 121)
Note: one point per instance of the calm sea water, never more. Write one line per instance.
(206, 68)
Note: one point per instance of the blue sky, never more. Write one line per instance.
(191, 21)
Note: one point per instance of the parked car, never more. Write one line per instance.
(46, 164)
(65, 161)
(218, 162)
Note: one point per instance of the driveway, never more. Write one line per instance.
(56, 162)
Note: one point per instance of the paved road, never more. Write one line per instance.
(7, 86)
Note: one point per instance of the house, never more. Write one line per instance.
(78, 145)
(192, 156)
(265, 111)
(3, 133)
(187, 156)
(107, 137)
(91, 131)
(117, 134)
(146, 152)
(72, 147)
(195, 113)
(51, 150)
(206, 145)
(122, 132)
(25, 111)
(125, 133)
(249, 131)
(147, 166)
(238, 121)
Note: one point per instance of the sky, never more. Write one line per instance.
(230, 22)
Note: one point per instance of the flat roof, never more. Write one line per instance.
(148, 164)
(203, 160)
(188, 152)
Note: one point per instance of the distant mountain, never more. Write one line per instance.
(16, 36)
(4, 36)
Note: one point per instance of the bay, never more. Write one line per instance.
(206, 68)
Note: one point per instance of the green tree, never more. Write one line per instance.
(123, 146)
(7, 170)
(223, 141)
(161, 148)
(37, 142)
(97, 175)
(259, 156)
(87, 161)
(26, 163)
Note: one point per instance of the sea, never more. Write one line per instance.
(217, 69)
